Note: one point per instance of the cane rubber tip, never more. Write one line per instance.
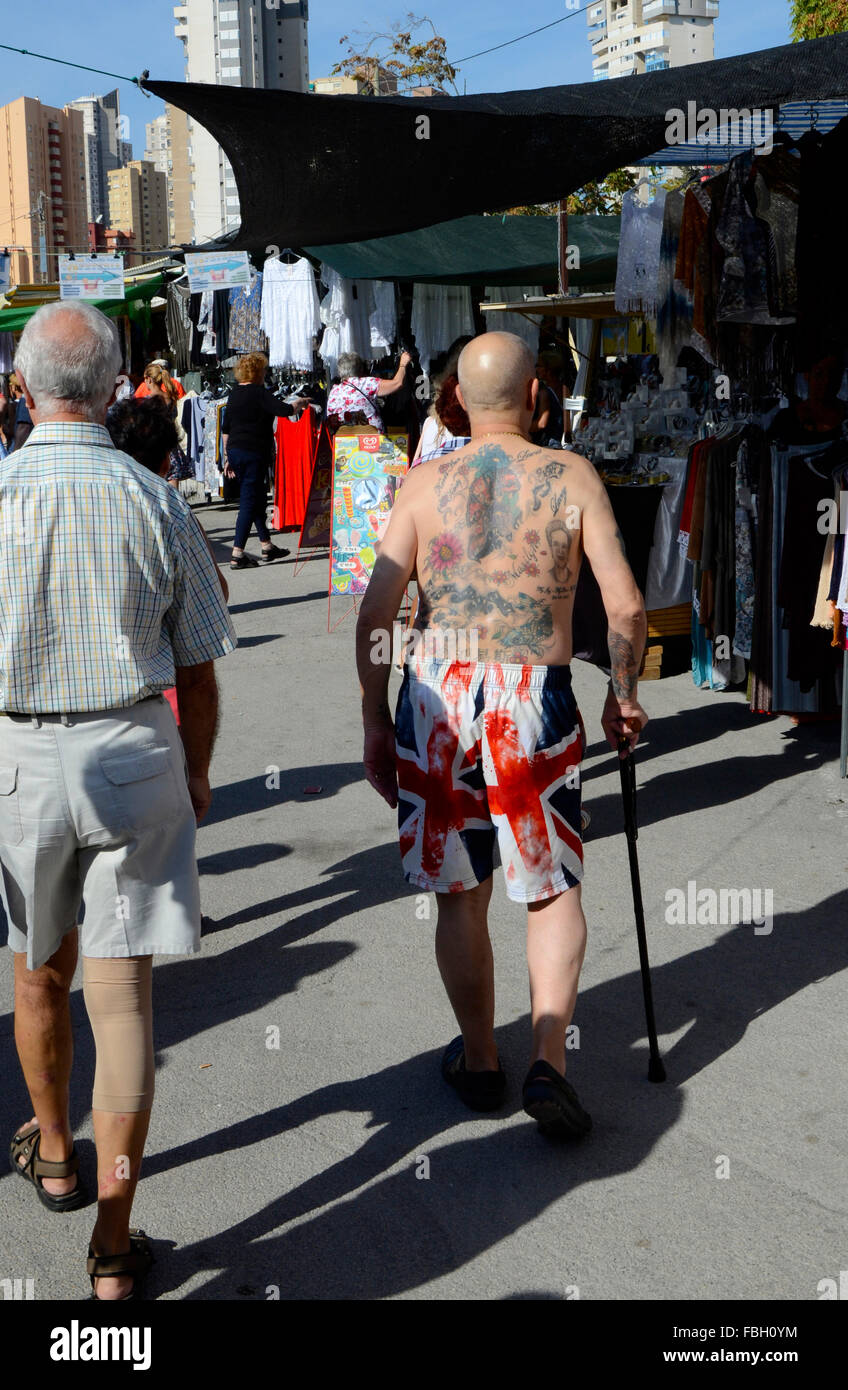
(656, 1070)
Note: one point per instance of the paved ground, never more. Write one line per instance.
(301, 1166)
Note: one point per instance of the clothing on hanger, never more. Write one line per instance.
(245, 316)
(345, 311)
(290, 315)
(504, 322)
(637, 273)
(440, 314)
(206, 323)
(178, 325)
(383, 318)
(674, 307)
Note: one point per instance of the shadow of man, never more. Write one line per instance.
(389, 1233)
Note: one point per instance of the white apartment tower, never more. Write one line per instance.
(235, 43)
(636, 36)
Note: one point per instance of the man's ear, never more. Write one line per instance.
(461, 398)
(533, 395)
(27, 397)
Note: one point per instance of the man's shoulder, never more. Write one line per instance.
(422, 477)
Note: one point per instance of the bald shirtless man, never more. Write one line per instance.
(490, 749)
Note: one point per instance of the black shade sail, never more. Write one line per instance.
(320, 170)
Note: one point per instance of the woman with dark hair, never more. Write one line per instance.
(145, 430)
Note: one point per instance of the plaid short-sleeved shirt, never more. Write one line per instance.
(106, 583)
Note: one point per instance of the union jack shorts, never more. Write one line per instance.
(489, 752)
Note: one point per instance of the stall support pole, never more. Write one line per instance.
(843, 753)
(562, 227)
(844, 744)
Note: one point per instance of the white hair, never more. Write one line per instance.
(69, 355)
(351, 364)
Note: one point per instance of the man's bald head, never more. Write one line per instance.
(495, 374)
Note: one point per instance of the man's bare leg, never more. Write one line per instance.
(45, 1047)
(556, 944)
(120, 1142)
(464, 956)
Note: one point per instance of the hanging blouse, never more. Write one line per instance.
(346, 313)
(503, 322)
(637, 276)
(290, 316)
(383, 322)
(245, 314)
(440, 314)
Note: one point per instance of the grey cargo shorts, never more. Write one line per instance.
(95, 813)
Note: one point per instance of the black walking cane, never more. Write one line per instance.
(626, 766)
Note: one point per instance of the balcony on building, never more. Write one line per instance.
(655, 59)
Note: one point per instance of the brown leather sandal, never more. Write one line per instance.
(135, 1261)
(34, 1168)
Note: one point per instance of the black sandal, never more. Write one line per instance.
(135, 1261)
(553, 1103)
(479, 1090)
(274, 552)
(244, 562)
(35, 1168)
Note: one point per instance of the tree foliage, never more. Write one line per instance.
(604, 197)
(414, 61)
(815, 19)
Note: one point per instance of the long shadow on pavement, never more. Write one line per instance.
(273, 603)
(399, 1233)
(693, 789)
(251, 793)
(364, 880)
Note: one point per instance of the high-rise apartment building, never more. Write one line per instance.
(167, 151)
(106, 147)
(138, 201)
(238, 43)
(636, 36)
(156, 142)
(43, 207)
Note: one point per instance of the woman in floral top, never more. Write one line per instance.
(356, 392)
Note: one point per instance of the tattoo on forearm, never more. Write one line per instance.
(625, 667)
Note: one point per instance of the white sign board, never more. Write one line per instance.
(217, 270)
(91, 277)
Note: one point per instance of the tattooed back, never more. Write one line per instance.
(499, 529)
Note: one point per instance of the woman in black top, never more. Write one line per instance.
(248, 439)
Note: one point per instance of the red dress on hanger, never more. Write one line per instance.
(296, 444)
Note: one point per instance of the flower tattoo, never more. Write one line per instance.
(445, 551)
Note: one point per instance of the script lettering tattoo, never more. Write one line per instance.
(548, 474)
(625, 667)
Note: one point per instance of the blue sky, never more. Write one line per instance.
(126, 37)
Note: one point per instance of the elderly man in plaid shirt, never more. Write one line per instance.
(108, 596)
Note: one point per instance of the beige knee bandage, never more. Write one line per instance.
(119, 999)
